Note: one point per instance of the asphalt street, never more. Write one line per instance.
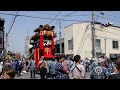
(37, 76)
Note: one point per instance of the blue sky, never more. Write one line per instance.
(24, 25)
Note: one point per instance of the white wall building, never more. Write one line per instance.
(77, 40)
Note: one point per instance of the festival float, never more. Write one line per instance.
(43, 42)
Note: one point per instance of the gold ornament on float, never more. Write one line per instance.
(47, 27)
(49, 33)
(47, 50)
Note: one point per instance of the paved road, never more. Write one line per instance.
(27, 76)
(87, 75)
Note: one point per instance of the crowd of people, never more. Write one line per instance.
(61, 68)
(10, 68)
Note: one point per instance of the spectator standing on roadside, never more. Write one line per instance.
(43, 68)
(99, 71)
(59, 68)
(32, 67)
(78, 70)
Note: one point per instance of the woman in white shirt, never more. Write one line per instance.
(78, 70)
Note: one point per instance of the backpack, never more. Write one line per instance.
(42, 68)
(66, 67)
(71, 65)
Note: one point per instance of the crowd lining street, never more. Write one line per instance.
(61, 68)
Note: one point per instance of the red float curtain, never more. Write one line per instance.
(36, 55)
(41, 40)
(52, 46)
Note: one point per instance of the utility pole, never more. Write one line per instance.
(6, 44)
(9, 32)
(93, 36)
(105, 46)
(60, 43)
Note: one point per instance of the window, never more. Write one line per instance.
(98, 43)
(70, 44)
(115, 44)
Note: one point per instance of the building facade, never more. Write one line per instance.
(78, 40)
(57, 46)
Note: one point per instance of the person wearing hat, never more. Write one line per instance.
(99, 71)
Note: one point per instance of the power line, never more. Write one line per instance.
(12, 23)
(61, 15)
(68, 15)
(55, 16)
(43, 13)
(7, 44)
(80, 15)
(102, 13)
(7, 14)
(109, 15)
(96, 18)
(83, 38)
(105, 30)
(108, 18)
(39, 17)
(65, 17)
